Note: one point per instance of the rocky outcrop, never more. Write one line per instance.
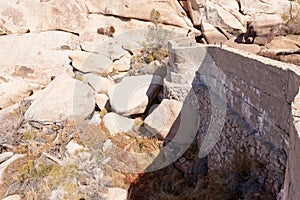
(5, 156)
(225, 14)
(88, 60)
(283, 48)
(36, 57)
(252, 48)
(263, 28)
(171, 11)
(17, 16)
(260, 6)
(282, 43)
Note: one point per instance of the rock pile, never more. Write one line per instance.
(69, 69)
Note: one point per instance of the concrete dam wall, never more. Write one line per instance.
(248, 113)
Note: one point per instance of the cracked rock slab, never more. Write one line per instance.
(98, 83)
(171, 11)
(91, 62)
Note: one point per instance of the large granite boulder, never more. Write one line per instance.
(34, 16)
(133, 94)
(222, 14)
(62, 99)
(36, 57)
(175, 120)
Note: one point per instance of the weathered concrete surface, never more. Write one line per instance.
(292, 176)
(262, 90)
(258, 89)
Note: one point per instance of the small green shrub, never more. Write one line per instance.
(156, 39)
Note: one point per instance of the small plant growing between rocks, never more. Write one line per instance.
(156, 39)
(154, 55)
(292, 18)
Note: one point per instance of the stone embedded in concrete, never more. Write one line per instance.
(133, 94)
(98, 83)
(257, 99)
(117, 124)
(73, 98)
(292, 176)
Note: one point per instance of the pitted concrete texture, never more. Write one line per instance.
(258, 90)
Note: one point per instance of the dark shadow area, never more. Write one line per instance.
(192, 178)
